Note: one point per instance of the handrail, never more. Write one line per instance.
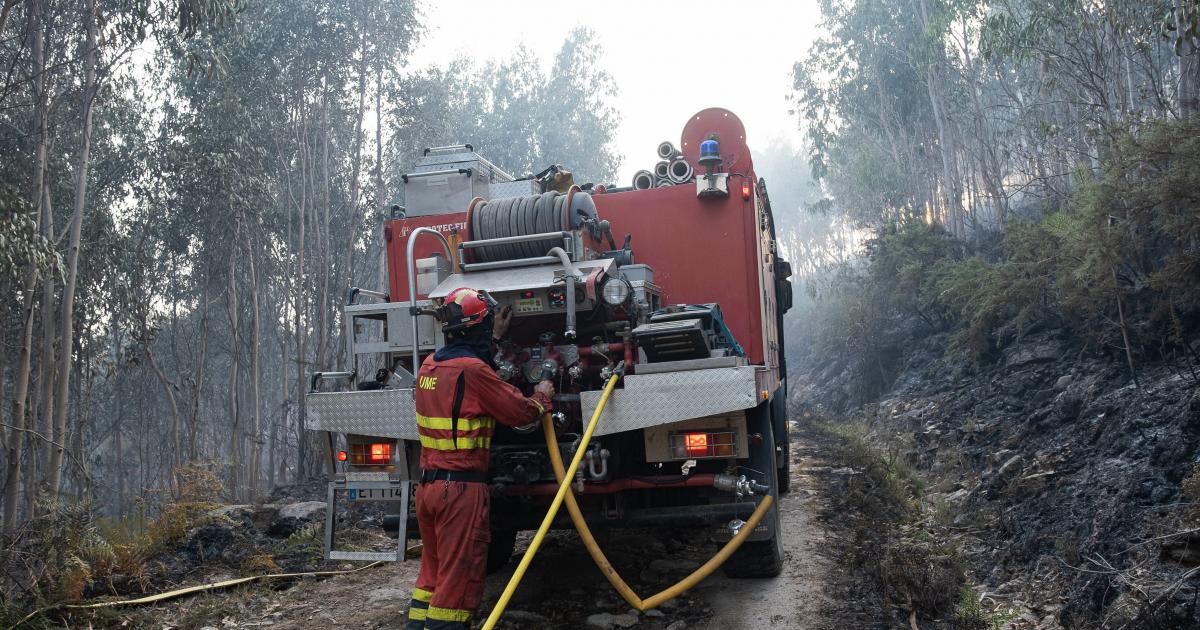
(354, 292)
(412, 288)
(448, 171)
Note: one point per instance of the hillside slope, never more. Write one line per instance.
(1063, 482)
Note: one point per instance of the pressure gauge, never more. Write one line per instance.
(616, 291)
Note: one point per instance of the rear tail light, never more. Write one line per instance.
(699, 444)
(378, 454)
(342, 456)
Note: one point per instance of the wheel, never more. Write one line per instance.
(762, 558)
(500, 550)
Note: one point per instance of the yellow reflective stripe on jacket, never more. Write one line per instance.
(464, 443)
(448, 614)
(422, 595)
(464, 424)
(417, 614)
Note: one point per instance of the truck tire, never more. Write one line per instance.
(500, 550)
(762, 558)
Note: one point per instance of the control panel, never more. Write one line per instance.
(529, 302)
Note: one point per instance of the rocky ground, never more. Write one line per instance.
(563, 589)
(1062, 482)
(1048, 491)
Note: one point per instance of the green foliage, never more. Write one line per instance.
(970, 613)
(888, 488)
(1130, 234)
(21, 246)
(995, 303)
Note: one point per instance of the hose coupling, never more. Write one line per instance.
(739, 485)
(735, 526)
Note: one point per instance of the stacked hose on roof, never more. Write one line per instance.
(549, 212)
(671, 169)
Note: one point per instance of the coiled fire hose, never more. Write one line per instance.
(610, 573)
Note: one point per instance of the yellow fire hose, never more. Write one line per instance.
(610, 573)
(554, 505)
(614, 578)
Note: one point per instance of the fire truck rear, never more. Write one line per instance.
(675, 281)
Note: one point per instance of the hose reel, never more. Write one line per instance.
(549, 212)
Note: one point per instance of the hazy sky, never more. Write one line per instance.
(669, 59)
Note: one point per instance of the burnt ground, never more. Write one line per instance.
(1067, 492)
(563, 589)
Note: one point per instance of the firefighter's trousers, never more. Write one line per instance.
(453, 517)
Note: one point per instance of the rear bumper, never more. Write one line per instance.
(715, 516)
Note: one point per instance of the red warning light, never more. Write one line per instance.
(379, 454)
(342, 456)
(746, 190)
(696, 443)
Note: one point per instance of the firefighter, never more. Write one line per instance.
(459, 401)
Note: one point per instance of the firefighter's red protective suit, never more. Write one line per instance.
(453, 515)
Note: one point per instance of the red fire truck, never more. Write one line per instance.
(676, 280)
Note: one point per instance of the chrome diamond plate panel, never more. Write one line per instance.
(653, 399)
(381, 413)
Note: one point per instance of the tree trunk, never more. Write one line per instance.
(235, 442)
(380, 193)
(67, 333)
(193, 424)
(355, 188)
(1189, 69)
(46, 366)
(301, 444)
(323, 315)
(16, 444)
(169, 390)
(255, 354)
(119, 399)
(952, 185)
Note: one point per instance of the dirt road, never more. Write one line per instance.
(563, 589)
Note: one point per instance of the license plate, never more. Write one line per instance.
(376, 494)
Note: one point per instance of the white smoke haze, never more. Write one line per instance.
(669, 60)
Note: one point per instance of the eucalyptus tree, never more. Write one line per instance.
(513, 113)
(270, 153)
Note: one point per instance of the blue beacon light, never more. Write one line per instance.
(710, 154)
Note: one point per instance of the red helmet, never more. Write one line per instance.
(463, 308)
